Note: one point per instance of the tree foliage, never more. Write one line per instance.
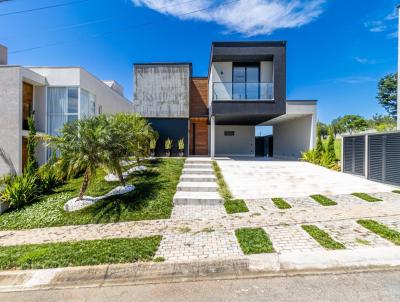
(31, 162)
(387, 94)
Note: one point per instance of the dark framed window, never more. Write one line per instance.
(246, 81)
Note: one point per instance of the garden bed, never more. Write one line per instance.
(151, 199)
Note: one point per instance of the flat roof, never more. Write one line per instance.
(281, 43)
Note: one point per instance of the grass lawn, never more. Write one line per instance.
(232, 206)
(254, 241)
(381, 230)
(323, 200)
(366, 197)
(78, 253)
(396, 191)
(322, 237)
(152, 199)
(280, 203)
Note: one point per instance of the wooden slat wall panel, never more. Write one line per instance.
(198, 97)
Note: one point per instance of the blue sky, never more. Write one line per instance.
(337, 49)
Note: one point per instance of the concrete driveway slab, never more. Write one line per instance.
(253, 178)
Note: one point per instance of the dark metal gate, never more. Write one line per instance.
(354, 155)
(384, 158)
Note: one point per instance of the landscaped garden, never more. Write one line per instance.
(95, 157)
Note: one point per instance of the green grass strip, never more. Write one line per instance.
(396, 191)
(366, 197)
(381, 230)
(280, 203)
(322, 237)
(323, 200)
(254, 241)
(78, 253)
(234, 206)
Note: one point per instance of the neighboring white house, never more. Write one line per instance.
(56, 95)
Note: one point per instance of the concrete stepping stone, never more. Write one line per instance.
(198, 171)
(197, 166)
(197, 178)
(192, 186)
(197, 198)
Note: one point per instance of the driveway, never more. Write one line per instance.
(253, 178)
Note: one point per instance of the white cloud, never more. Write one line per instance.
(355, 80)
(248, 17)
(375, 26)
(362, 60)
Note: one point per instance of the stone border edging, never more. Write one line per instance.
(286, 263)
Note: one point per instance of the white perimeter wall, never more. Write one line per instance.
(241, 144)
(11, 116)
(292, 137)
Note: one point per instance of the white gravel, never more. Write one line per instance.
(74, 204)
(112, 177)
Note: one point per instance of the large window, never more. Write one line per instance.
(64, 104)
(246, 80)
(62, 107)
(88, 104)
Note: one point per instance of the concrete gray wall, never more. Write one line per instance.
(11, 116)
(241, 144)
(162, 90)
(3, 55)
(292, 137)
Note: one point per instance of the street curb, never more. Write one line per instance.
(282, 264)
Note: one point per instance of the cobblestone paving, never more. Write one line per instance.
(352, 235)
(391, 222)
(195, 232)
(203, 245)
(291, 237)
(198, 211)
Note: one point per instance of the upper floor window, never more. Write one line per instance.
(246, 78)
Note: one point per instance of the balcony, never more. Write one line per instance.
(228, 91)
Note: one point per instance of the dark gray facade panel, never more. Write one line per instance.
(354, 155)
(384, 158)
(256, 52)
(173, 128)
(246, 112)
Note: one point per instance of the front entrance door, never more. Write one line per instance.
(199, 136)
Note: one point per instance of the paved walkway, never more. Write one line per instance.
(200, 228)
(253, 178)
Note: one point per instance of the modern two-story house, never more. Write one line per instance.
(217, 114)
(56, 95)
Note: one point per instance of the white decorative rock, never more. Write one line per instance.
(112, 177)
(74, 204)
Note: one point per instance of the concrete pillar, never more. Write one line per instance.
(212, 149)
(3, 55)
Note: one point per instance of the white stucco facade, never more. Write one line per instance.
(234, 140)
(11, 101)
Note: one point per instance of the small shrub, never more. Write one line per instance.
(22, 191)
(48, 178)
(168, 144)
(181, 144)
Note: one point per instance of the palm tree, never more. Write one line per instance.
(81, 149)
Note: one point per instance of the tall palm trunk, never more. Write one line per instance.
(120, 175)
(85, 184)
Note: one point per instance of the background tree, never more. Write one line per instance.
(31, 162)
(387, 94)
(382, 122)
(352, 123)
(323, 129)
(337, 126)
(330, 147)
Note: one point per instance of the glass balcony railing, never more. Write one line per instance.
(227, 91)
